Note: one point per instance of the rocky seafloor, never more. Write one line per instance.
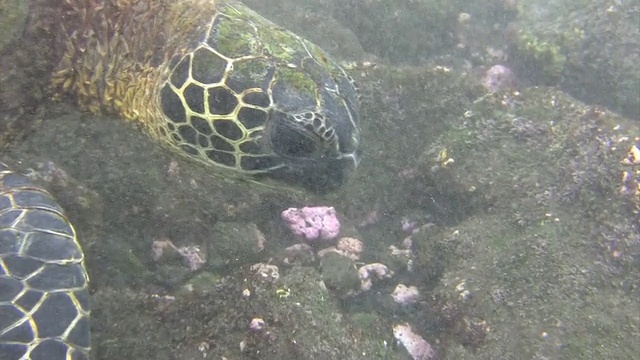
(523, 204)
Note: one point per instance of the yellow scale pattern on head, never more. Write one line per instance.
(212, 118)
(242, 53)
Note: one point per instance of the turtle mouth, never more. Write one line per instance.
(320, 178)
(311, 151)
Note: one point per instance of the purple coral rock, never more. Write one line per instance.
(499, 77)
(319, 222)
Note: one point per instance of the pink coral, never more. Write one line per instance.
(257, 324)
(372, 271)
(350, 247)
(313, 223)
(416, 346)
(408, 224)
(498, 77)
(405, 295)
(193, 258)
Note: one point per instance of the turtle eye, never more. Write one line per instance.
(290, 138)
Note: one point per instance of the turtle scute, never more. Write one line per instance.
(44, 302)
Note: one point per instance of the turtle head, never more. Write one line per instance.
(312, 126)
(317, 152)
(259, 102)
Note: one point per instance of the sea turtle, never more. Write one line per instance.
(212, 80)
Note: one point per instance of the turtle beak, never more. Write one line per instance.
(316, 177)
